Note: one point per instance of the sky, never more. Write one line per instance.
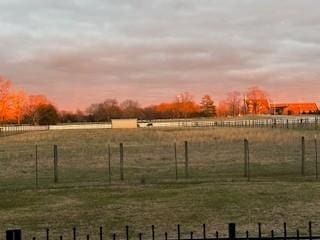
(79, 52)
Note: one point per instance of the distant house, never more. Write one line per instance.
(294, 108)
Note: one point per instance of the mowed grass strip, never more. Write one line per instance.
(165, 206)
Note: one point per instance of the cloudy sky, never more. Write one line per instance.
(82, 51)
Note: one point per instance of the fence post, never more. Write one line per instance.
(109, 163)
(248, 160)
(310, 230)
(245, 158)
(259, 230)
(55, 163)
(121, 162)
(186, 152)
(74, 231)
(127, 232)
(303, 150)
(232, 231)
(316, 153)
(176, 160)
(36, 155)
(101, 233)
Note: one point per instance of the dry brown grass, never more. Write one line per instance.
(216, 192)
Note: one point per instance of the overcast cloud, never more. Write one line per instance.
(79, 52)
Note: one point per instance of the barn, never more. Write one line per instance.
(294, 108)
(124, 123)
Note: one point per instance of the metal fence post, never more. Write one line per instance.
(100, 233)
(121, 162)
(152, 228)
(127, 232)
(176, 160)
(232, 231)
(186, 151)
(47, 234)
(303, 151)
(310, 230)
(259, 230)
(316, 154)
(245, 158)
(36, 156)
(109, 163)
(55, 163)
(15, 234)
(74, 233)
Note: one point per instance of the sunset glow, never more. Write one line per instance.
(80, 52)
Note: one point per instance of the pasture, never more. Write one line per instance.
(215, 191)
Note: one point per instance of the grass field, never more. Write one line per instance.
(214, 155)
(216, 192)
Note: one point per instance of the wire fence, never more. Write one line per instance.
(222, 159)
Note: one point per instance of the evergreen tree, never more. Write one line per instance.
(207, 107)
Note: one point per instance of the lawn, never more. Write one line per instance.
(163, 205)
(215, 192)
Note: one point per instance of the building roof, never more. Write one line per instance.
(297, 107)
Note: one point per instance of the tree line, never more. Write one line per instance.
(20, 108)
(183, 105)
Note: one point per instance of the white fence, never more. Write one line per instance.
(288, 122)
(81, 126)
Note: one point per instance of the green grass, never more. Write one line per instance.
(216, 192)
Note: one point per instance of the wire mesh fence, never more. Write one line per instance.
(221, 159)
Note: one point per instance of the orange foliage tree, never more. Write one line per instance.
(16, 106)
(5, 87)
(257, 101)
(185, 106)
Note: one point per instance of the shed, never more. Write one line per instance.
(124, 123)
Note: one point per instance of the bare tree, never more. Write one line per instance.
(233, 102)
